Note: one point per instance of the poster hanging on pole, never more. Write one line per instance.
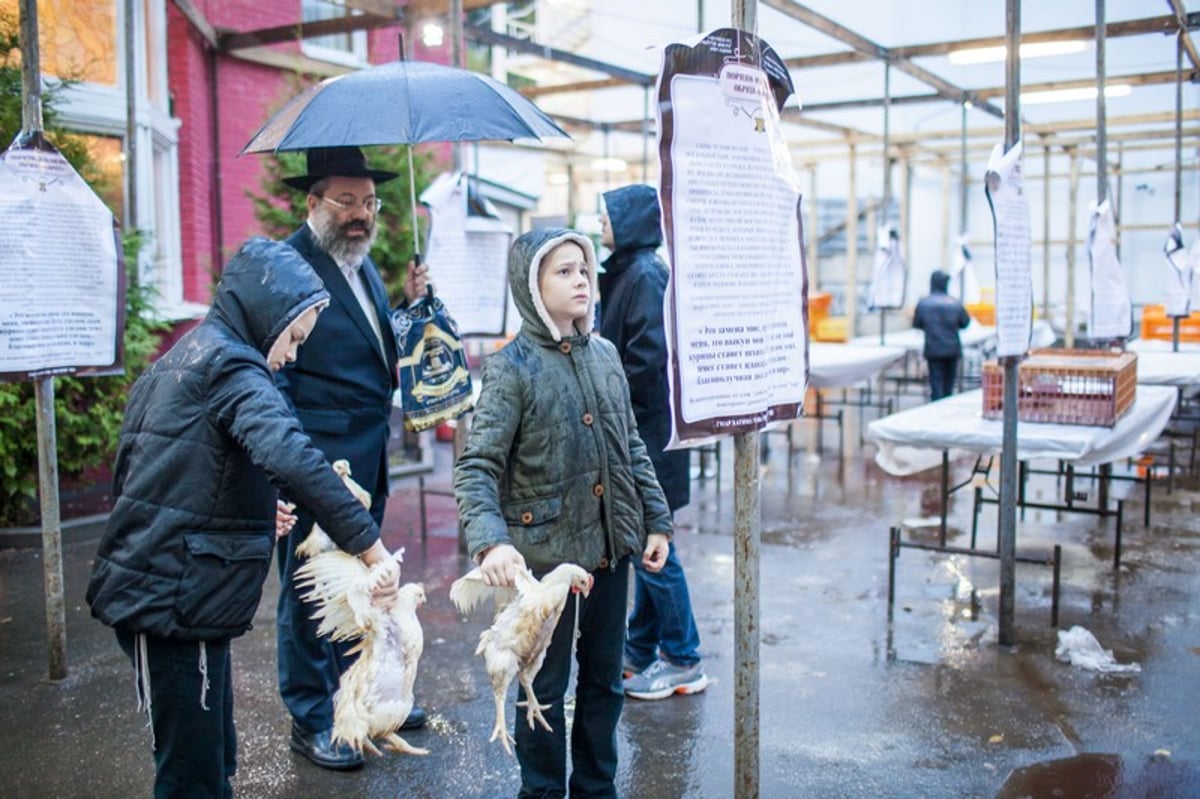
(1111, 314)
(62, 285)
(736, 304)
(1014, 251)
(891, 273)
(963, 283)
(468, 246)
(1181, 271)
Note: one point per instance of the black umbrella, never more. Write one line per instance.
(403, 102)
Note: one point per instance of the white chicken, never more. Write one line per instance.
(375, 695)
(317, 540)
(515, 645)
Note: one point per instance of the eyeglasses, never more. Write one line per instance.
(369, 204)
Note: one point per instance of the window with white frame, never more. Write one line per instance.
(341, 48)
(85, 42)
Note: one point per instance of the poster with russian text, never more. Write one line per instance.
(891, 273)
(467, 254)
(736, 305)
(62, 301)
(1111, 314)
(1014, 251)
(1180, 274)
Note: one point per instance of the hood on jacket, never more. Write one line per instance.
(523, 261)
(263, 288)
(634, 216)
(939, 281)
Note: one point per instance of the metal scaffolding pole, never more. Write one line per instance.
(52, 572)
(747, 533)
(1008, 453)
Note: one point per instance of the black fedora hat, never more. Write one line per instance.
(339, 162)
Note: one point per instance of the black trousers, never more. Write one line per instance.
(190, 701)
(599, 697)
(942, 374)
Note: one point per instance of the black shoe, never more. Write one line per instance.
(416, 719)
(319, 748)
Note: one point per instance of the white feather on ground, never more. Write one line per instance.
(515, 645)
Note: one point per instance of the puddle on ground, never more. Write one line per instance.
(1095, 775)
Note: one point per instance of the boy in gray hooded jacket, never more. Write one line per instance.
(554, 471)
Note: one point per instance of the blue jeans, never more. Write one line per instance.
(599, 697)
(195, 746)
(662, 623)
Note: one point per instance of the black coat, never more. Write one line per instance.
(341, 383)
(632, 288)
(206, 441)
(941, 317)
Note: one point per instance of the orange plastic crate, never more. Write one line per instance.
(1157, 325)
(1062, 386)
(982, 312)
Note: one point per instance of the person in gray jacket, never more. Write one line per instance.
(941, 317)
(206, 443)
(554, 471)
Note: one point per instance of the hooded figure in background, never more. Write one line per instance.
(941, 317)
(206, 444)
(662, 646)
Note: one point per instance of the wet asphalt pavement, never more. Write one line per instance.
(928, 705)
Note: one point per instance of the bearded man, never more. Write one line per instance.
(340, 386)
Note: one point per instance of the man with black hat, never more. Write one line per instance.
(341, 387)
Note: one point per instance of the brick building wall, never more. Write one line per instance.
(216, 214)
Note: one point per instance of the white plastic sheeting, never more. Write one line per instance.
(1079, 647)
(1169, 369)
(957, 423)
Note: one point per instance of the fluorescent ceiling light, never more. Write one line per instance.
(987, 55)
(432, 34)
(610, 165)
(1068, 95)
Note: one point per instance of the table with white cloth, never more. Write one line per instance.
(1180, 370)
(918, 438)
(846, 367)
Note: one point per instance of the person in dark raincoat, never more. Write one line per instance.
(941, 317)
(206, 443)
(662, 646)
(554, 471)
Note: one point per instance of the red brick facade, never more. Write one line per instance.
(216, 216)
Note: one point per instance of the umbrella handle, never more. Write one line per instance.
(428, 285)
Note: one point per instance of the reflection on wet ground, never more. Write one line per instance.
(927, 705)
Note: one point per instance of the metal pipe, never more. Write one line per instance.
(1178, 125)
(1072, 216)
(1008, 453)
(966, 177)
(747, 531)
(131, 128)
(1101, 110)
(52, 572)
(1046, 233)
(885, 216)
(852, 242)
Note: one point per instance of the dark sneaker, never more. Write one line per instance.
(416, 719)
(661, 679)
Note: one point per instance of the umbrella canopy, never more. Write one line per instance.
(403, 102)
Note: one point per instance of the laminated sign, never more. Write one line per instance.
(434, 381)
(736, 310)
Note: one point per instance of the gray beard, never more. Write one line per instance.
(342, 248)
